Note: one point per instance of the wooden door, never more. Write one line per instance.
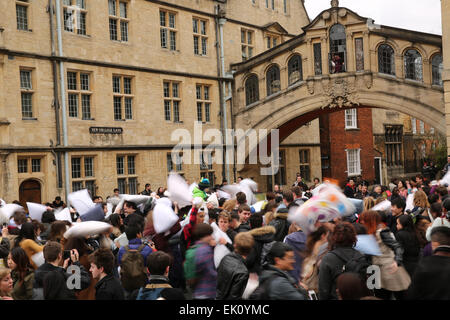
(29, 191)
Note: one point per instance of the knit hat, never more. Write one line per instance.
(204, 183)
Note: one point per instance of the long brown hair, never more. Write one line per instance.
(20, 258)
(312, 239)
(370, 219)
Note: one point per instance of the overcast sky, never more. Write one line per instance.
(418, 15)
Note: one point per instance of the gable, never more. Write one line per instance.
(332, 16)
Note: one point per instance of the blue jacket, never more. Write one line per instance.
(134, 245)
(297, 240)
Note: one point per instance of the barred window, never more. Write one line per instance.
(83, 174)
(127, 179)
(251, 89)
(168, 31)
(200, 37)
(413, 65)
(22, 15)
(74, 15)
(437, 68)
(78, 87)
(26, 88)
(393, 143)
(118, 17)
(35, 165)
(206, 166)
(317, 58)
(247, 44)
(203, 103)
(305, 165)
(123, 97)
(172, 101)
(273, 80)
(295, 72)
(386, 59)
(174, 164)
(22, 165)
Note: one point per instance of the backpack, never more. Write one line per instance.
(189, 266)
(133, 273)
(262, 291)
(357, 264)
(152, 291)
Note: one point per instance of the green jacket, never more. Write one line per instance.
(196, 192)
(24, 290)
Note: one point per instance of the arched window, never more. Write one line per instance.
(273, 80)
(295, 72)
(251, 90)
(338, 48)
(413, 65)
(386, 59)
(437, 67)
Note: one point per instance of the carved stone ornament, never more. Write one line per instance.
(368, 80)
(334, 3)
(339, 93)
(310, 86)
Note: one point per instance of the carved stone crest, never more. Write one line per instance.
(310, 86)
(339, 93)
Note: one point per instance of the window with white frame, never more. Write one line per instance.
(83, 174)
(126, 174)
(413, 125)
(74, 14)
(353, 162)
(172, 100)
(118, 20)
(26, 91)
(168, 30)
(422, 127)
(351, 119)
(122, 98)
(79, 91)
(199, 28)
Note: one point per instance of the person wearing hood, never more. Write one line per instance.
(275, 277)
(264, 239)
(200, 190)
(281, 224)
(297, 240)
(432, 276)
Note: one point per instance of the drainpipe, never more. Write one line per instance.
(63, 100)
(55, 98)
(222, 21)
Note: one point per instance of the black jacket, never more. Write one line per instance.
(281, 285)
(281, 225)
(263, 237)
(4, 248)
(109, 288)
(331, 267)
(411, 247)
(243, 227)
(44, 269)
(232, 277)
(431, 278)
(349, 191)
(388, 239)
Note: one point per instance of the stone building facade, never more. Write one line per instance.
(133, 71)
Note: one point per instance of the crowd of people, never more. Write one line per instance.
(267, 257)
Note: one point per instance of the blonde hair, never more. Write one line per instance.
(4, 272)
(421, 200)
(229, 205)
(369, 203)
(224, 215)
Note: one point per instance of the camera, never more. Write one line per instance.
(66, 254)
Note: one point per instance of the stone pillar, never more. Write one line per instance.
(445, 9)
